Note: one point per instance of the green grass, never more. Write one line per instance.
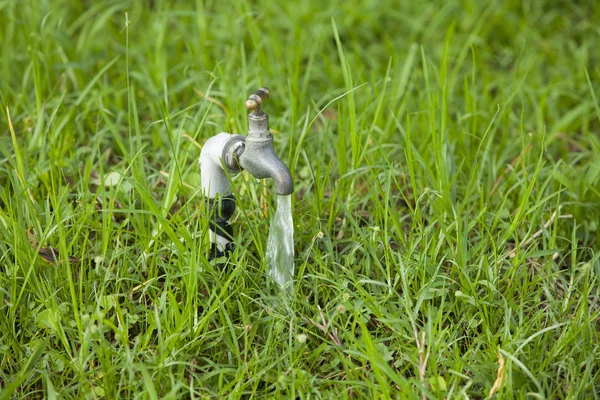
(447, 171)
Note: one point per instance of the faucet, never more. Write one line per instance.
(226, 154)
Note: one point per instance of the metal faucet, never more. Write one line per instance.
(254, 153)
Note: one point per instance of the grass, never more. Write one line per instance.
(446, 211)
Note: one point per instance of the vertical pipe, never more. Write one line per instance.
(216, 188)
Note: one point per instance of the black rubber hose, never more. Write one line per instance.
(220, 211)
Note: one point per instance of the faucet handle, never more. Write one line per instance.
(256, 99)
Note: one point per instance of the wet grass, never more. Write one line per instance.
(446, 210)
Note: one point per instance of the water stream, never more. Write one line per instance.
(280, 245)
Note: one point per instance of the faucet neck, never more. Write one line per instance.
(258, 126)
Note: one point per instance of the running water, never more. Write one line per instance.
(280, 244)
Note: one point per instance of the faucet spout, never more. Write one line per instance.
(260, 160)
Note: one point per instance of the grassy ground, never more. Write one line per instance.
(446, 163)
